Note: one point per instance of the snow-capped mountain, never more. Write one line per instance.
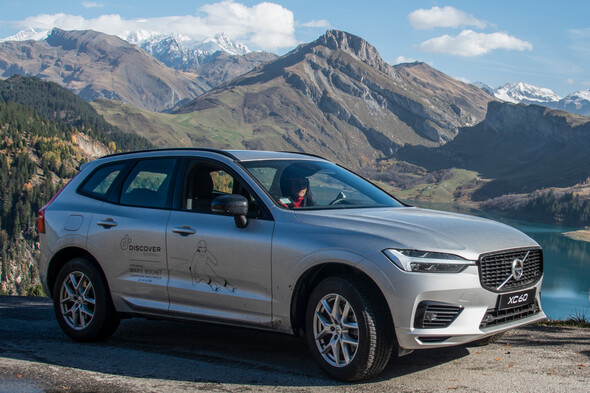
(578, 102)
(181, 52)
(219, 42)
(525, 93)
(172, 50)
(28, 34)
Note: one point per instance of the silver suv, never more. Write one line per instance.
(281, 241)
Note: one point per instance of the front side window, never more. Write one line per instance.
(148, 183)
(302, 184)
(204, 181)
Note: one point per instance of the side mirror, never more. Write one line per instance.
(232, 205)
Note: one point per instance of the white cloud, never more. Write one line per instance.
(462, 79)
(443, 17)
(569, 81)
(403, 59)
(266, 25)
(317, 23)
(469, 43)
(88, 4)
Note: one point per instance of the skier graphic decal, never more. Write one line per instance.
(202, 269)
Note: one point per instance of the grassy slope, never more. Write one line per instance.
(167, 130)
(448, 190)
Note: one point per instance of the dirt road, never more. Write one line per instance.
(163, 356)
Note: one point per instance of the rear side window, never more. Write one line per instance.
(100, 182)
(148, 184)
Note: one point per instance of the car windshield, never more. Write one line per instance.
(307, 184)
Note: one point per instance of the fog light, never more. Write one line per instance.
(435, 315)
(429, 316)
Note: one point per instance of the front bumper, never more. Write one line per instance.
(476, 312)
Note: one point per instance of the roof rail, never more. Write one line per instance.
(207, 149)
(303, 154)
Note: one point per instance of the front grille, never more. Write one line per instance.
(435, 315)
(495, 317)
(495, 268)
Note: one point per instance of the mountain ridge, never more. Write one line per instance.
(337, 97)
(96, 65)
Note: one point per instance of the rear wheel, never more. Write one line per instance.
(82, 303)
(348, 331)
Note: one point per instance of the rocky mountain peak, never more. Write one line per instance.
(354, 45)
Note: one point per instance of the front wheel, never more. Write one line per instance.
(348, 330)
(82, 302)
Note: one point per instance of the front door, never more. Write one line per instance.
(218, 270)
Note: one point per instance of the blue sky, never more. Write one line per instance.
(544, 43)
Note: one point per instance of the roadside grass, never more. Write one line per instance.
(578, 319)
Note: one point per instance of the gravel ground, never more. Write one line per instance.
(157, 356)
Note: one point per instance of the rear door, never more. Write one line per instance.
(128, 236)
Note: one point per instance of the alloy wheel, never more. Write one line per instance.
(335, 330)
(77, 300)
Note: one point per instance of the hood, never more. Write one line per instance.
(421, 229)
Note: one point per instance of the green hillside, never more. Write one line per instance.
(174, 130)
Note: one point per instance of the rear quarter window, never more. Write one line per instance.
(100, 182)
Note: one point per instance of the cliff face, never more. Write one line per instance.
(337, 97)
(521, 147)
(537, 122)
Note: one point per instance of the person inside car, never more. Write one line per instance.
(295, 188)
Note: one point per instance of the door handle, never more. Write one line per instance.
(108, 223)
(184, 230)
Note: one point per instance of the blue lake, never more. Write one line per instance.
(566, 285)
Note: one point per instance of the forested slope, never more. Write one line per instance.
(46, 132)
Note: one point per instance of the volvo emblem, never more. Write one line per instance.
(517, 269)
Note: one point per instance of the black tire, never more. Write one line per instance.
(368, 346)
(485, 341)
(82, 302)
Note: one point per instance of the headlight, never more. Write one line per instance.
(427, 261)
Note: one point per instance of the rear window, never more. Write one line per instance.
(100, 182)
